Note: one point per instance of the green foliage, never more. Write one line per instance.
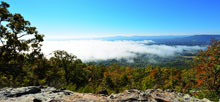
(63, 60)
(19, 43)
(212, 95)
(71, 87)
(148, 82)
(108, 82)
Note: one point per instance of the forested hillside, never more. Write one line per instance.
(23, 64)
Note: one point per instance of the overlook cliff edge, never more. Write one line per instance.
(51, 94)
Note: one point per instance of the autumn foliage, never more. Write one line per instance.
(207, 65)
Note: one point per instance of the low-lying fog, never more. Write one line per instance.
(94, 50)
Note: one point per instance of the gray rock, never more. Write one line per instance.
(34, 93)
(50, 94)
(205, 100)
(186, 97)
(17, 92)
(143, 99)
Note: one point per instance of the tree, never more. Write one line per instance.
(207, 65)
(188, 79)
(70, 64)
(19, 41)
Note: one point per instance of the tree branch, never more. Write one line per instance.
(23, 35)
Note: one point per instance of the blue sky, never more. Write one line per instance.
(91, 18)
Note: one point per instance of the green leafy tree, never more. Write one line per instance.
(64, 60)
(72, 67)
(108, 82)
(19, 41)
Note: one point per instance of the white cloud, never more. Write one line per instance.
(93, 50)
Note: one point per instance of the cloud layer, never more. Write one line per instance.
(94, 50)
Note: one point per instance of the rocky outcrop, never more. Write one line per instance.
(50, 94)
(154, 95)
(32, 94)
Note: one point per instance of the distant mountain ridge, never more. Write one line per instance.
(204, 37)
(169, 40)
(190, 40)
(139, 37)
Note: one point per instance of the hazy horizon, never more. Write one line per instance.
(90, 37)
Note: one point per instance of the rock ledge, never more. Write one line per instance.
(50, 94)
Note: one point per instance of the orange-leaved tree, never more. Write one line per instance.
(207, 65)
